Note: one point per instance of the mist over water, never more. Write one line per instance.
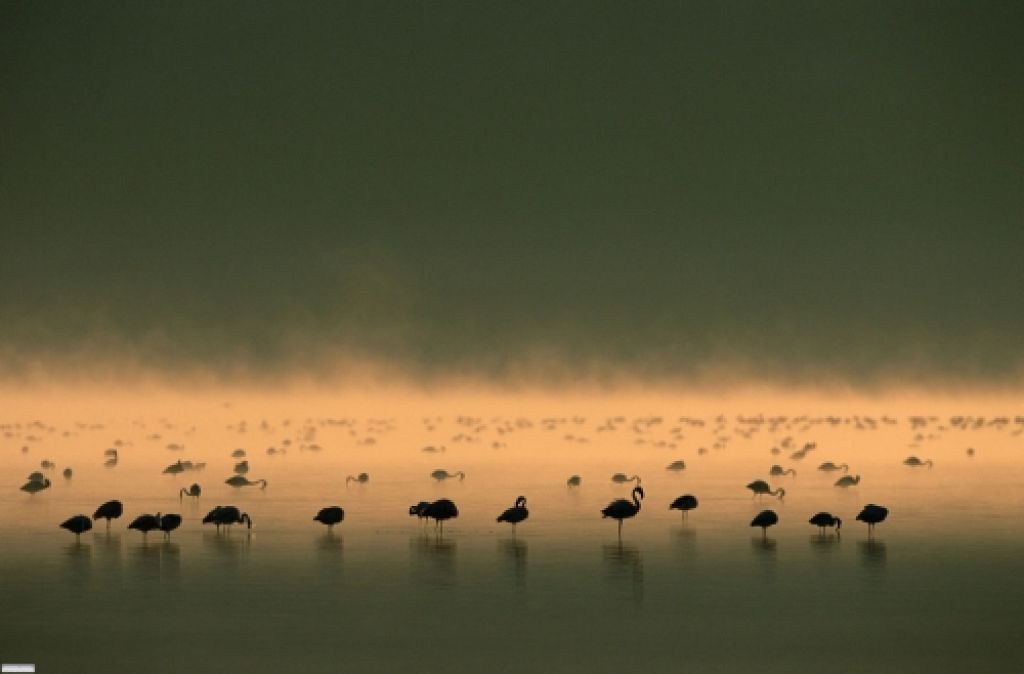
(384, 591)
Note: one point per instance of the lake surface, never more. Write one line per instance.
(938, 589)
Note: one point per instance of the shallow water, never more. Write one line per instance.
(937, 589)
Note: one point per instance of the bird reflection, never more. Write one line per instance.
(824, 544)
(872, 553)
(763, 547)
(225, 550)
(432, 560)
(625, 564)
(156, 559)
(515, 551)
(329, 542)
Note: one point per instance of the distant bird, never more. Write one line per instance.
(516, 514)
(620, 478)
(822, 520)
(110, 452)
(238, 453)
(110, 510)
(46, 464)
(847, 481)
(362, 478)
(871, 515)
(36, 476)
(765, 519)
(431, 449)
(330, 516)
(685, 503)
(970, 451)
(77, 525)
(828, 466)
(801, 453)
(195, 490)
(676, 465)
(442, 474)
(419, 510)
(227, 515)
(67, 473)
(240, 481)
(916, 462)
(242, 467)
(175, 468)
(145, 523)
(441, 510)
(168, 523)
(620, 509)
(112, 458)
(34, 486)
(778, 470)
(574, 481)
(760, 488)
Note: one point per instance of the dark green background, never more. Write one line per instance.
(794, 187)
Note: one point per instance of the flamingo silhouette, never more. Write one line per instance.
(77, 525)
(685, 503)
(241, 481)
(574, 481)
(362, 478)
(145, 523)
(330, 516)
(760, 488)
(168, 523)
(619, 478)
(227, 515)
(828, 466)
(195, 490)
(110, 510)
(35, 486)
(916, 462)
(765, 519)
(442, 474)
(676, 465)
(778, 470)
(847, 481)
(620, 509)
(871, 515)
(242, 467)
(822, 520)
(516, 514)
(441, 510)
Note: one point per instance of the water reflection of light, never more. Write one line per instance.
(515, 551)
(872, 553)
(432, 560)
(824, 544)
(625, 564)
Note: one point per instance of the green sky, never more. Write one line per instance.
(796, 186)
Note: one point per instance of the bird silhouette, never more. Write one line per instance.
(168, 523)
(362, 478)
(175, 468)
(765, 519)
(67, 473)
(620, 509)
(574, 481)
(676, 465)
(848, 481)
(195, 490)
(916, 462)
(241, 481)
(36, 476)
(760, 488)
(145, 523)
(442, 474)
(35, 486)
(828, 466)
(801, 453)
(330, 516)
(242, 467)
(871, 515)
(227, 515)
(419, 510)
(46, 464)
(238, 453)
(516, 514)
(441, 510)
(778, 470)
(685, 503)
(112, 457)
(110, 510)
(77, 525)
(822, 520)
(620, 478)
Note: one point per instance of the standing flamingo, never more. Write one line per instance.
(168, 523)
(685, 503)
(241, 481)
(145, 523)
(765, 519)
(77, 525)
(330, 516)
(574, 481)
(822, 520)
(778, 471)
(227, 515)
(362, 478)
(620, 509)
(847, 481)
(194, 491)
(620, 478)
(871, 515)
(828, 466)
(110, 510)
(760, 488)
(516, 513)
(440, 511)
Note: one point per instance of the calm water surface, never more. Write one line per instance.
(939, 589)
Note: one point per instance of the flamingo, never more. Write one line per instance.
(168, 523)
(238, 453)
(227, 515)
(620, 478)
(110, 510)
(67, 473)
(847, 481)
(419, 510)
(145, 523)
(442, 474)
(77, 525)
(36, 476)
(620, 509)
(240, 481)
(34, 486)
(111, 455)
(765, 519)
(574, 481)
(916, 462)
(242, 467)
(778, 470)
(330, 516)
(676, 465)
(516, 513)
(802, 452)
(440, 511)
(828, 466)
(175, 468)
(195, 490)
(822, 520)
(46, 464)
(362, 478)
(685, 503)
(871, 515)
(760, 488)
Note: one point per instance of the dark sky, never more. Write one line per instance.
(798, 187)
